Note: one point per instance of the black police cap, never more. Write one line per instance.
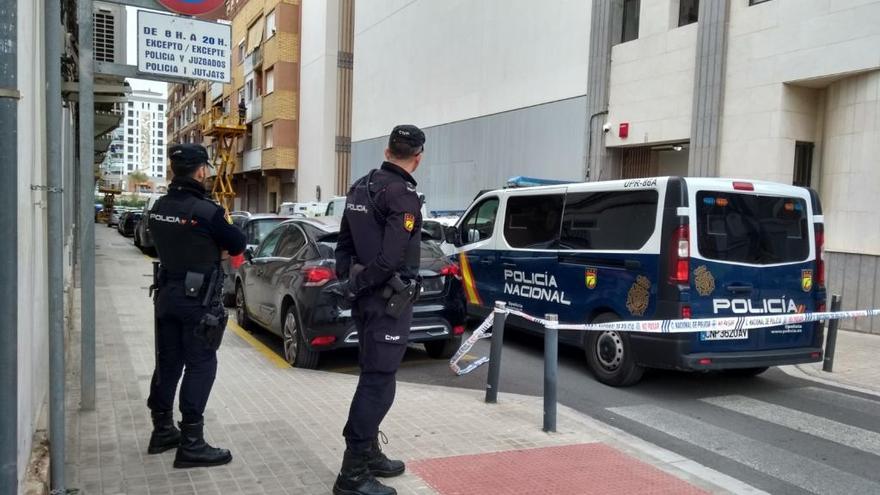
(407, 134)
(187, 157)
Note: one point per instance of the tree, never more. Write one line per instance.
(137, 178)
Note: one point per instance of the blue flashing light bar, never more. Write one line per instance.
(521, 181)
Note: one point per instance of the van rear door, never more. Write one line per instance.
(753, 256)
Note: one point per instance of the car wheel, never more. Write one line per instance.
(746, 372)
(241, 312)
(610, 355)
(137, 241)
(229, 300)
(295, 351)
(443, 349)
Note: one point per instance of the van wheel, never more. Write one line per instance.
(610, 356)
(295, 351)
(746, 372)
(442, 349)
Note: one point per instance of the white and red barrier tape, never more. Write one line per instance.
(655, 326)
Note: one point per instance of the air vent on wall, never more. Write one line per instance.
(109, 33)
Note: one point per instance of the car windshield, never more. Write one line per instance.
(749, 228)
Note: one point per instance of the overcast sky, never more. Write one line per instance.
(131, 31)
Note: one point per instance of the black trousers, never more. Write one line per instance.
(181, 352)
(382, 342)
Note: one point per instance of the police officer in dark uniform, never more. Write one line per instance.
(378, 255)
(190, 233)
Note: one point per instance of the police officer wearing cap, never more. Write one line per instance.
(377, 257)
(190, 233)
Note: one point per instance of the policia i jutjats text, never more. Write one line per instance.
(653, 326)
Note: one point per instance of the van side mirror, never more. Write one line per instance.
(249, 254)
(450, 235)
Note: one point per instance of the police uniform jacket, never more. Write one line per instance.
(190, 230)
(381, 229)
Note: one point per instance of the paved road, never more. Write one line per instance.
(781, 434)
(775, 432)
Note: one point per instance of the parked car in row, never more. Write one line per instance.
(255, 228)
(127, 223)
(143, 238)
(286, 285)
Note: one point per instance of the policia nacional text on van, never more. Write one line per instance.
(657, 248)
(379, 252)
(190, 233)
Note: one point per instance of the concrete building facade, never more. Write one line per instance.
(144, 135)
(781, 90)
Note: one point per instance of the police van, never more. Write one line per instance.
(654, 248)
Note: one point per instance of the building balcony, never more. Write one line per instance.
(252, 160)
(254, 60)
(254, 109)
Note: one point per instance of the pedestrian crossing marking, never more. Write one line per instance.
(841, 399)
(782, 464)
(833, 431)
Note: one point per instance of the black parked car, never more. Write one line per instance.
(255, 227)
(285, 286)
(128, 222)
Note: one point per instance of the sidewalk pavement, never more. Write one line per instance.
(856, 362)
(283, 425)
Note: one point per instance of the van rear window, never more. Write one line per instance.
(753, 229)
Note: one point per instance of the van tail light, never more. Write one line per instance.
(317, 276)
(820, 255)
(743, 186)
(680, 253)
(236, 261)
(451, 270)
(458, 330)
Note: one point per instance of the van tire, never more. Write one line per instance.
(610, 356)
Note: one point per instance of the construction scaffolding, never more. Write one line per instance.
(225, 129)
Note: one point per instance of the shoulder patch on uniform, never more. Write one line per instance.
(409, 222)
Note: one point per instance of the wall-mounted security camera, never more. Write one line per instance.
(606, 128)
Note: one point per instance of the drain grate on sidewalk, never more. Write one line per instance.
(591, 468)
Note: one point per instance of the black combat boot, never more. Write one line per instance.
(195, 452)
(355, 477)
(379, 464)
(165, 436)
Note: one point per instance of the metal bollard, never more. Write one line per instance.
(551, 366)
(831, 339)
(495, 352)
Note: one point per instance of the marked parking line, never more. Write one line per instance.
(256, 344)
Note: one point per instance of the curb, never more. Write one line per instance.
(806, 372)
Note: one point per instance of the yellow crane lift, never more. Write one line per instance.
(225, 129)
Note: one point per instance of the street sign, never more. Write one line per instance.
(171, 45)
(191, 7)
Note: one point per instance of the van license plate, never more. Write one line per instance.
(724, 335)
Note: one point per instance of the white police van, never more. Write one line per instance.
(656, 248)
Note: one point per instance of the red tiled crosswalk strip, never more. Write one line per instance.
(582, 469)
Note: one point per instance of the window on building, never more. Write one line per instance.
(687, 12)
(532, 222)
(161, 142)
(130, 122)
(268, 137)
(240, 95)
(608, 220)
(270, 80)
(803, 163)
(130, 104)
(131, 113)
(130, 140)
(249, 89)
(241, 52)
(630, 29)
(161, 107)
(131, 149)
(270, 24)
(160, 133)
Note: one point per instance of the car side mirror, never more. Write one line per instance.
(450, 234)
(249, 254)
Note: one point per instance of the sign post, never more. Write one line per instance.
(177, 46)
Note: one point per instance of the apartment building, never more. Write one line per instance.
(781, 90)
(144, 135)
